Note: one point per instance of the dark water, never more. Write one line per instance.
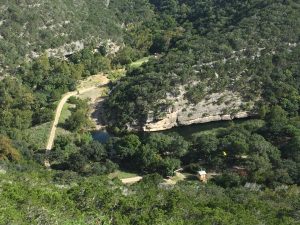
(101, 136)
(185, 131)
(188, 131)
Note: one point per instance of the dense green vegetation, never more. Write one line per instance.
(65, 198)
(79, 118)
(29, 27)
(272, 160)
(29, 99)
(248, 47)
(252, 46)
(266, 153)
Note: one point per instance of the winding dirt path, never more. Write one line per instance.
(56, 119)
(90, 85)
(58, 112)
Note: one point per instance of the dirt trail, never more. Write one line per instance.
(58, 112)
(171, 181)
(131, 180)
(85, 87)
(56, 119)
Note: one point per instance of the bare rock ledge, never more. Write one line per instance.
(172, 121)
(215, 107)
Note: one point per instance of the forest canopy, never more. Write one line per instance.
(163, 48)
(248, 47)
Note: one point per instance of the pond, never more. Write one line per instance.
(188, 131)
(101, 135)
(185, 131)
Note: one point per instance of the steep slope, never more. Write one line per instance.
(220, 60)
(29, 27)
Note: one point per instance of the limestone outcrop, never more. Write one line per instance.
(214, 107)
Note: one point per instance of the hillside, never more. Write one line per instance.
(28, 28)
(218, 61)
(135, 66)
(40, 197)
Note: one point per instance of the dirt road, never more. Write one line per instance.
(170, 181)
(131, 180)
(86, 86)
(58, 112)
(56, 119)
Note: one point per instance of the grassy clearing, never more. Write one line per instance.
(178, 177)
(60, 131)
(65, 113)
(92, 81)
(122, 175)
(37, 136)
(116, 74)
(139, 62)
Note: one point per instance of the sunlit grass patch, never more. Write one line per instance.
(139, 62)
(122, 175)
(37, 136)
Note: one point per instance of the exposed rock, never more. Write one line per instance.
(67, 49)
(215, 107)
(76, 46)
(107, 2)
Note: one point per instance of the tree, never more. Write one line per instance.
(16, 103)
(276, 119)
(100, 64)
(7, 150)
(127, 146)
(205, 146)
(100, 168)
(259, 167)
(125, 56)
(94, 151)
(147, 159)
(77, 162)
(293, 170)
(76, 121)
(151, 179)
(160, 44)
(172, 145)
(292, 149)
(259, 145)
(263, 110)
(168, 166)
(42, 115)
(236, 143)
(228, 180)
(103, 49)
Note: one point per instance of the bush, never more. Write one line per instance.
(228, 180)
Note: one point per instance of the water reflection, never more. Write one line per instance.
(185, 131)
(101, 136)
(188, 131)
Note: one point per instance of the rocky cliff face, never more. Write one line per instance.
(69, 49)
(214, 107)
